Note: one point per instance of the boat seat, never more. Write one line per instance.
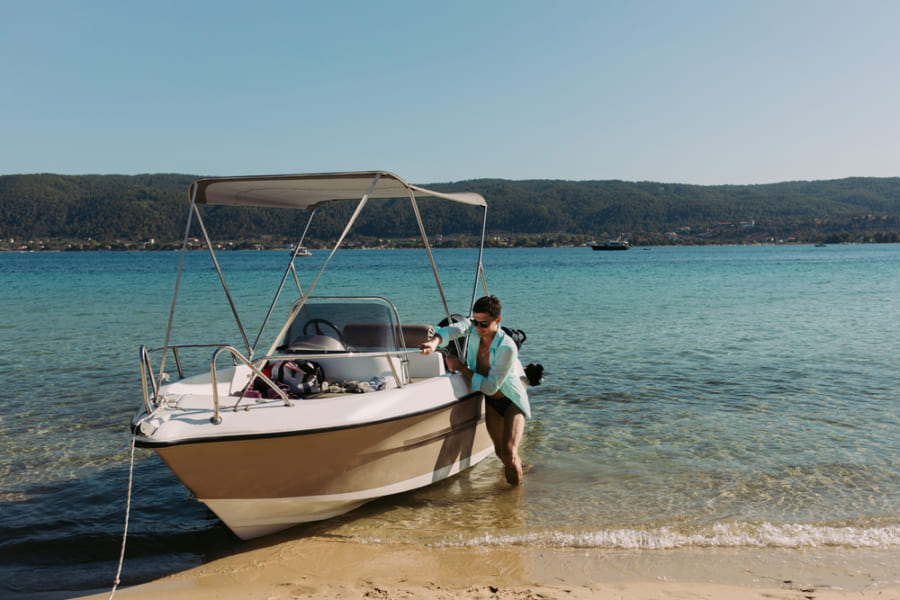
(315, 343)
(381, 336)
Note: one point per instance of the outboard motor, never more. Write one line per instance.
(534, 373)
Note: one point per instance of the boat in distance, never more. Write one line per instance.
(337, 408)
(611, 245)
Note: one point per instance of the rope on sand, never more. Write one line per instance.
(127, 514)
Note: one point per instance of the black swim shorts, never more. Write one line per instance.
(498, 404)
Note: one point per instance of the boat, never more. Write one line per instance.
(304, 251)
(266, 449)
(611, 245)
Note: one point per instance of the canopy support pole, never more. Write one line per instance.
(299, 305)
(212, 254)
(187, 231)
(479, 269)
(415, 207)
(290, 269)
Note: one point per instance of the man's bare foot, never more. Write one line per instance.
(513, 473)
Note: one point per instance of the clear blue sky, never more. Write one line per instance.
(706, 92)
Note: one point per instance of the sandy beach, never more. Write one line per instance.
(321, 568)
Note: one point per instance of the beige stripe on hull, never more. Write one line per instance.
(250, 518)
(344, 461)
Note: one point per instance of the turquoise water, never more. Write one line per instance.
(718, 397)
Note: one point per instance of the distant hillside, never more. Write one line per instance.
(123, 210)
(92, 206)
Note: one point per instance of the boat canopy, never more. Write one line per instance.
(308, 192)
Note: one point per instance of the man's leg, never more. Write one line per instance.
(494, 423)
(513, 429)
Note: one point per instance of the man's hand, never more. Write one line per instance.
(431, 345)
(454, 364)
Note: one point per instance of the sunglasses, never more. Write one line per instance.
(482, 324)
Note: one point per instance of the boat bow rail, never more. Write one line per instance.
(396, 364)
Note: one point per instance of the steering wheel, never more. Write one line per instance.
(318, 330)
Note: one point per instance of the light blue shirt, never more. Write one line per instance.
(506, 371)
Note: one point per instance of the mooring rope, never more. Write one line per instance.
(127, 514)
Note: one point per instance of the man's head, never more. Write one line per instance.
(486, 313)
(489, 305)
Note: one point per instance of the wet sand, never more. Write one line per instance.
(320, 568)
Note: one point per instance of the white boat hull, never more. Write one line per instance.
(326, 456)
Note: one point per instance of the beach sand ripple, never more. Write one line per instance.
(316, 569)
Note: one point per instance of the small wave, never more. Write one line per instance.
(719, 535)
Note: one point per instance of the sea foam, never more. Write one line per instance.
(721, 535)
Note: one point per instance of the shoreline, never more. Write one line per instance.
(259, 247)
(321, 568)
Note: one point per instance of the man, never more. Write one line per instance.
(491, 367)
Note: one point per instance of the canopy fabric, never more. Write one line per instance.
(306, 192)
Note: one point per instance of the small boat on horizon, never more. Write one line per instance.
(611, 245)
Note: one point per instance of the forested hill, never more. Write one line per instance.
(121, 210)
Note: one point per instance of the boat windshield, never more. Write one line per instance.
(344, 325)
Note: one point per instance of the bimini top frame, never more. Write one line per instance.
(309, 192)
